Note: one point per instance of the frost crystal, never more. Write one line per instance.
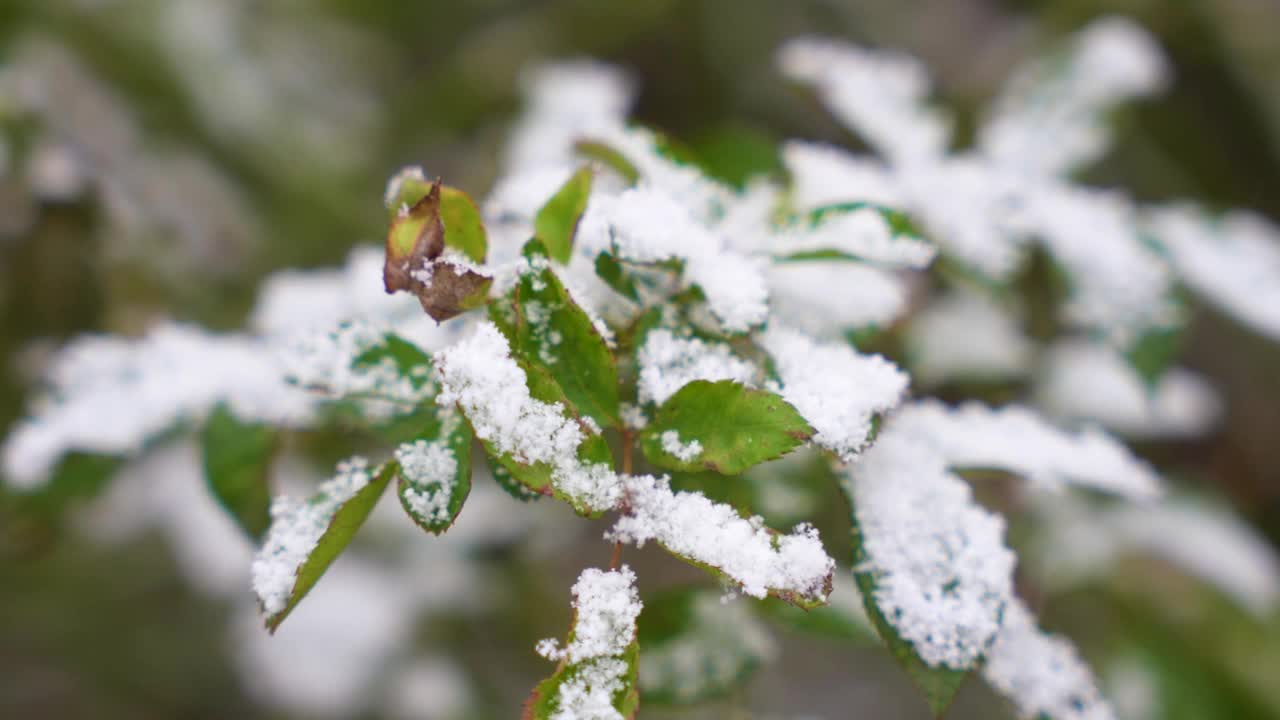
(692, 526)
(296, 529)
(668, 363)
(685, 452)
(942, 571)
(606, 607)
(1042, 674)
(1014, 438)
(837, 390)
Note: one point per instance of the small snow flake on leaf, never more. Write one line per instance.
(722, 426)
(307, 536)
(434, 473)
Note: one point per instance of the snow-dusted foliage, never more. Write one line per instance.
(621, 329)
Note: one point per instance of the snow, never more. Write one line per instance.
(1118, 284)
(685, 452)
(110, 395)
(863, 233)
(429, 469)
(606, 607)
(647, 225)
(827, 175)
(1202, 539)
(1050, 119)
(827, 298)
(668, 362)
(691, 526)
(1042, 674)
(942, 571)
(837, 390)
(1014, 438)
(296, 529)
(480, 377)
(1087, 381)
(880, 94)
(964, 335)
(1233, 262)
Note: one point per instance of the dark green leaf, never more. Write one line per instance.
(612, 272)
(344, 524)
(1155, 352)
(722, 426)
(609, 157)
(552, 334)
(434, 474)
(557, 221)
(237, 465)
(939, 684)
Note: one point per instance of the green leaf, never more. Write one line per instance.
(939, 684)
(543, 702)
(612, 272)
(1155, 352)
(344, 524)
(557, 221)
(409, 360)
(609, 157)
(434, 474)
(508, 482)
(237, 464)
(551, 334)
(463, 228)
(898, 221)
(722, 426)
(696, 648)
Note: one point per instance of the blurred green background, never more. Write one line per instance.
(180, 151)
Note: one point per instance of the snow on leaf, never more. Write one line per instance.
(173, 374)
(493, 391)
(872, 234)
(695, 647)
(966, 336)
(307, 536)
(1234, 262)
(647, 225)
(722, 426)
(932, 564)
(668, 362)
(1050, 119)
(596, 677)
(837, 390)
(828, 298)
(1013, 438)
(1089, 381)
(548, 329)
(881, 95)
(793, 567)
(434, 473)
(237, 462)
(1042, 674)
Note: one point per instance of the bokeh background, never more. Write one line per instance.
(161, 157)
